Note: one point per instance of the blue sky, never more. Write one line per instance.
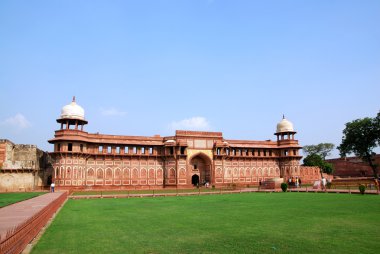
(149, 67)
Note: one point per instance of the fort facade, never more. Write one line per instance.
(189, 158)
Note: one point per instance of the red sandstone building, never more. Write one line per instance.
(89, 160)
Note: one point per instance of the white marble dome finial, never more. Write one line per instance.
(285, 125)
(72, 111)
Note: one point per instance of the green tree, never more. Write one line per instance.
(361, 137)
(316, 160)
(322, 149)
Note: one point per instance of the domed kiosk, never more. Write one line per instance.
(285, 126)
(72, 111)
(285, 130)
(72, 116)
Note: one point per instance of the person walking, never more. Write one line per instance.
(323, 183)
(52, 187)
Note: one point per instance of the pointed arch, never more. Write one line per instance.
(90, 173)
(99, 173)
(143, 173)
(117, 173)
(204, 156)
(109, 173)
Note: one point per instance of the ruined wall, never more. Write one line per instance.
(22, 157)
(23, 167)
(5, 149)
(2, 153)
(17, 181)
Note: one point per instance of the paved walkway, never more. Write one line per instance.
(16, 214)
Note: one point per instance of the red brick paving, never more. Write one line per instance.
(16, 214)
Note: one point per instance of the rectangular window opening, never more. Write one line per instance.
(118, 149)
(109, 149)
(100, 149)
(70, 147)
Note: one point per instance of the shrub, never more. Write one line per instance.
(284, 187)
(213, 187)
(362, 188)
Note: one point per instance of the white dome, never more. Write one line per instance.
(73, 111)
(285, 126)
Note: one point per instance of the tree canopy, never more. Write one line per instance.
(322, 149)
(317, 160)
(361, 137)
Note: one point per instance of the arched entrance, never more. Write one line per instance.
(201, 166)
(195, 180)
(49, 180)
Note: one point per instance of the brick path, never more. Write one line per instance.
(23, 220)
(13, 215)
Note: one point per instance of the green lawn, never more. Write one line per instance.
(13, 197)
(231, 223)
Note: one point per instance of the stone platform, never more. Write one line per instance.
(21, 222)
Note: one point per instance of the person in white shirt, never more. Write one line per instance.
(323, 183)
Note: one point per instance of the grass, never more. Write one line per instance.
(14, 197)
(235, 223)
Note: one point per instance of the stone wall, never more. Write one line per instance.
(352, 167)
(310, 174)
(23, 167)
(17, 181)
(79, 171)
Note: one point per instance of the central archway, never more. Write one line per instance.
(201, 166)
